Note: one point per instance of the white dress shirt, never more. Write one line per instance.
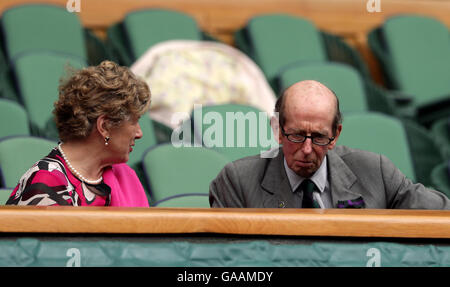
(320, 179)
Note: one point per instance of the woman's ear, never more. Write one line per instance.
(103, 126)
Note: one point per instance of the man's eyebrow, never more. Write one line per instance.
(298, 131)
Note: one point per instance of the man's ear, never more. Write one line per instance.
(338, 133)
(275, 124)
(103, 126)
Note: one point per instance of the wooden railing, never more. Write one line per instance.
(290, 222)
(347, 18)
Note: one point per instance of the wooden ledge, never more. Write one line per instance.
(300, 222)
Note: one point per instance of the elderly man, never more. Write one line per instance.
(311, 172)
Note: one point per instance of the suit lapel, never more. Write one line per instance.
(341, 180)
(278, 192)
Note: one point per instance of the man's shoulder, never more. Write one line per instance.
(257, 160)
(346, 152)
(253, 166)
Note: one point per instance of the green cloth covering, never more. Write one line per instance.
(204, 252)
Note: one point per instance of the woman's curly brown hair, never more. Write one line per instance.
(107, 89)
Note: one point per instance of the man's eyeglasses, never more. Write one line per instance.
(316, 139)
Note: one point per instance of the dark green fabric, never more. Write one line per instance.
(307, 187)
(96, 49)
(118, 45)
(18, 154)
(184, 253)
(425, 152)
(339, 51)
(440, 178)
(441, 133)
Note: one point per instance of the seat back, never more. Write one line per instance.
(440, 131)
(342, 79)
(18, 154)
(440, 178)
(145, 28)
(172, 171)
(4, 195)
(13, 118)
(278, 40)
(381, 134)
(234, 130)
(185, 200)
(419, 48)
(38, 89)
(42, 27)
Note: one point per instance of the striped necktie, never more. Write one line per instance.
(307, 186)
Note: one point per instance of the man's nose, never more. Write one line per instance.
(307, 146)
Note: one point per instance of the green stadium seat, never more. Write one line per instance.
(172, 171)
(414, 53)
(42, 27)
(275, 41)
(14, 119)
(213, 124)
(141, 29)
(440, 178)
(200, 200)
(275, 50)
(355, 93)
(18, 154)
(380, 134)
(440, 130)
(33, 27)
(341, 79)
(38, 75)
(4, 195)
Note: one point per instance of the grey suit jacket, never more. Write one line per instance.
(357, 179)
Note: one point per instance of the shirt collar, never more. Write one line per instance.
(319, 177)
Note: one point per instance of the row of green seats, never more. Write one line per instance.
(173, 173)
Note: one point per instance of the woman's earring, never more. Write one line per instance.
(107, 140)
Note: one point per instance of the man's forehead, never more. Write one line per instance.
(308, 89)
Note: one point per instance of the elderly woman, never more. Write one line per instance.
(97, 117)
